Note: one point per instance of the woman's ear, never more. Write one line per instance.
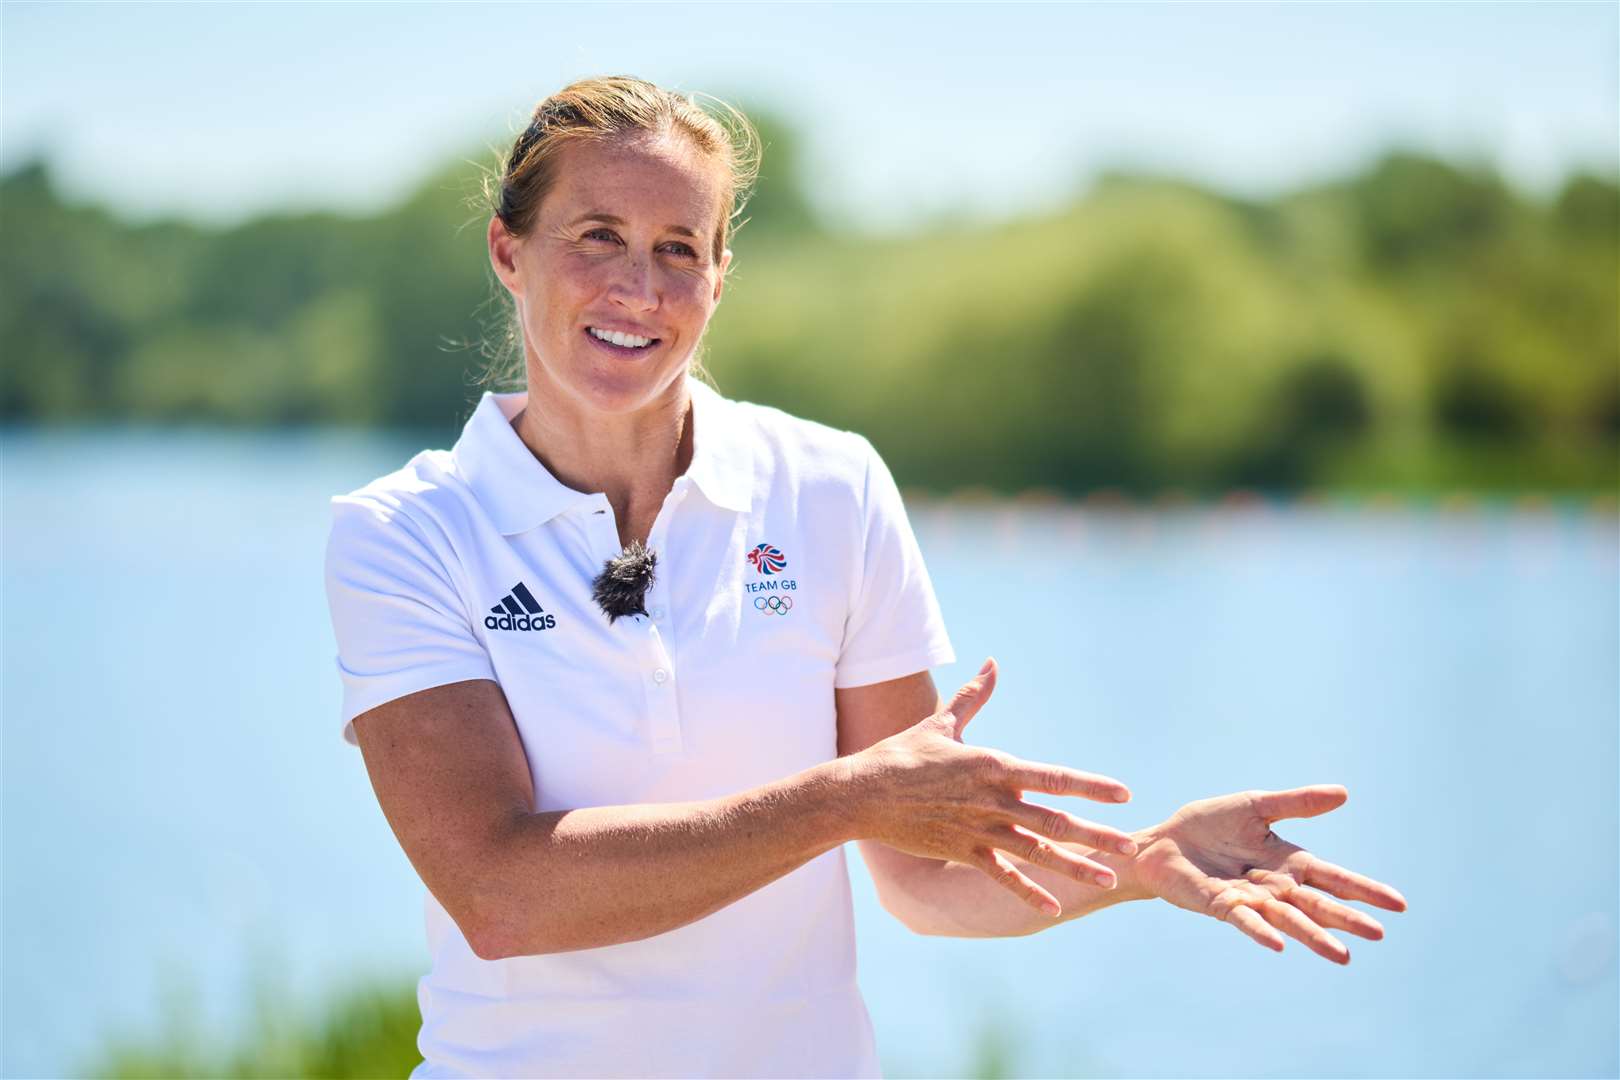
(503, 255)
(720, 279)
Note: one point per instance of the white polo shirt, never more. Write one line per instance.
(786, 568)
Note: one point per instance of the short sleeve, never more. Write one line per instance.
(895, 627)
(399, 622)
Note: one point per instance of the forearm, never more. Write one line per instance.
(955, 900)
(578, 879)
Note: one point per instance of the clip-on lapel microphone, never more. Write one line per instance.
(621, 587)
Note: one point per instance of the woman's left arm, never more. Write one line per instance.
(931, 896)
(1217, 857)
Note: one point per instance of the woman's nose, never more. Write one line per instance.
(633, 286)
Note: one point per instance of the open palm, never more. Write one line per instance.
(1219, 857)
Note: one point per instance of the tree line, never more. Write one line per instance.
(1421, 324)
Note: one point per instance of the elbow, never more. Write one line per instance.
(507, 930)
(504, 940)
(489, 936)
(487, 940)
(494, 917)
(514, 930)
(501, 938)
(483, 947)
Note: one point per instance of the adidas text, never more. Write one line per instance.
(519, 610)
(520, 622)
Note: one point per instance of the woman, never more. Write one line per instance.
(631, 825)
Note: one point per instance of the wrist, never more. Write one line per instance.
(1128, 884)
(1127, 868)
(842, 788)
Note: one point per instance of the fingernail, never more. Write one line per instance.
(1122, 796)
(1105, 880)
(1127, 847)
(986, 669)
(1051, 909)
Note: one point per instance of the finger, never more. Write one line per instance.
(1299, 802)
(1054, 823)
(1042, 852)
(1349, 885)
(971, 697)
(1334, 915)
(1229, 904)
(1296, 924)
(1061, 780)
(1246, 920)
(1008, 876)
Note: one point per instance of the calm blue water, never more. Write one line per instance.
(176, 795)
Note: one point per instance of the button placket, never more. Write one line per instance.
(656, 607)
(662, 708)
(663, 715)
(651, 657)
(606, 526)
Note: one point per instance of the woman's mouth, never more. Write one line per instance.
(621, 344)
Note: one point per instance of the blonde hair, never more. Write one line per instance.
(609, 107)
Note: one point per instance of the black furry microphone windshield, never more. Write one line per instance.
(621, 587)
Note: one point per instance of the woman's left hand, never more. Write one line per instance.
(1219, 857)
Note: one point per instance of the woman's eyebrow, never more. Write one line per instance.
(613, 219)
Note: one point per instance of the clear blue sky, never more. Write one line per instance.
(219, 112)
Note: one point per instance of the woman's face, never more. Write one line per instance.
(622, 245)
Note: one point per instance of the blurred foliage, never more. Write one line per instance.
(365, 1029)
(1420, 326)
(369, 1030)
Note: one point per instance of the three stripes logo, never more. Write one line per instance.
(519, 610)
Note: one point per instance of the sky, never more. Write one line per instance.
(217, 113)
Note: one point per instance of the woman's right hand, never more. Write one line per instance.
(925, 792)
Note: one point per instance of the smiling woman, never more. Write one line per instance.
(713, 159)
(631, 822)
(611, 284)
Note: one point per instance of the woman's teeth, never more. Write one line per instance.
(630, 341)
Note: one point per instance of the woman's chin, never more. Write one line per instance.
(617, 388)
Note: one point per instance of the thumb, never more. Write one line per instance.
(971, 697)
(1300, 802)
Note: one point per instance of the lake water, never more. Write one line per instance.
(176, 795)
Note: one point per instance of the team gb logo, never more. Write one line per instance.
(767, 559)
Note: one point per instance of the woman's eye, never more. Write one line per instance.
(678, 248)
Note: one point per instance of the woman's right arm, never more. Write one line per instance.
(449, 770)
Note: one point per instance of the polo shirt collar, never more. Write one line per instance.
(722, 453)
(520, 493)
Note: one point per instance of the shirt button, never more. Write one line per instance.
(660, 676)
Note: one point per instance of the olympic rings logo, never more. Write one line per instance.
(779, 604)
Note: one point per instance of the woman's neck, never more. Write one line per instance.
(631, 458)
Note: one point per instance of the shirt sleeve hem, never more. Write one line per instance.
(893, 667)
(356, 702)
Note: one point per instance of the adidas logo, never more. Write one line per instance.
(519, 610)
